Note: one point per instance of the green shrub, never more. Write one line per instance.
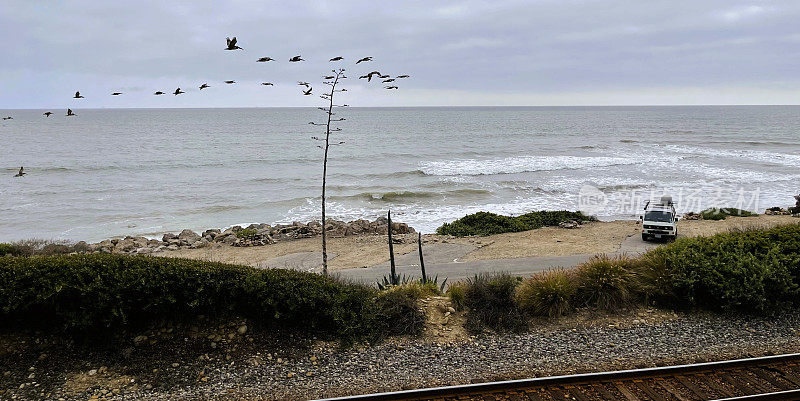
(10, 249)
(754, 271)
(485, 223)
(607, 283)
(246, 233)
(722, 213)
(490, 301)
(549, 293)
(96, 294)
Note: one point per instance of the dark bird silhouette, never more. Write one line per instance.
(301, 83)
(70, 113)
(8, 118)
(364, 59)
(364, 77)
(116, 93)
(232, 44)
(402, 76)
(21, 172)
(178, 92)
(267, 84)
(158, 93)
(47, 114)
(296, 59)
(308, 92)
(265, 59)
(203, 86)
(230, 82)
(337, 58)
(388, 80)
(328, 77)
(383, 76)
(78, 95)
(391, 87)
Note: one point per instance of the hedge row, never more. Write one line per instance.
(111, 293)
(485, 223)
(755, 272)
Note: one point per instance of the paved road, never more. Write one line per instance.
(444, 262)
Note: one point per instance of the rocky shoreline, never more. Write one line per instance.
(238, 236)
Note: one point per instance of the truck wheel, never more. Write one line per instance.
(645, 237)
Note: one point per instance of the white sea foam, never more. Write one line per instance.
(751, 155)
(520, 164)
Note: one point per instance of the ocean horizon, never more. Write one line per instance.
(116, 172)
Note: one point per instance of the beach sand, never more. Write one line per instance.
(371, 250)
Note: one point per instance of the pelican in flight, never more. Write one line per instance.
(77, 96)
(158, 93)
(364, 59)
(301, 83)
(70, 113)
(203, 86)
(296, 59)
(116, 93)
(308, 92)
(391, 87)
(267, 84)
(232, 44)
(47, 113)
(178, 92)
(230, 82)
(265, 59)
(388, 80)
(328, 77)
(402, 76)
(337, 58)
(369, 76)
(21, 172)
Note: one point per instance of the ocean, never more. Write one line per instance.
(116, 172)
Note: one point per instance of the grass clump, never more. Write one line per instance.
(491, 304)
(549, 293)
(457, 293)
(95, 295)
(607, 283)
(723, 213)
(485, 223)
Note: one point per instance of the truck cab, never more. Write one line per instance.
(659, 220)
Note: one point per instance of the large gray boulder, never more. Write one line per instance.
(189, 236)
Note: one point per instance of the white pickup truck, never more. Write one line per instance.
(659, 220)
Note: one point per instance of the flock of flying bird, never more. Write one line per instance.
(232, 45)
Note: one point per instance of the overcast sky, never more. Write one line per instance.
(500, 52)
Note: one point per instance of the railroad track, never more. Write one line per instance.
(764, 378)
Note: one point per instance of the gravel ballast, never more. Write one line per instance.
(252, 371)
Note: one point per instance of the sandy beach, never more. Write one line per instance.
(370, 250)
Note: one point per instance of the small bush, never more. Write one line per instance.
(485, 223)
(246, 233)
(722, 213)
(92, 295)
(399, 312)
(549, 293)
(491, 304)
(10, 249)
(607, 283)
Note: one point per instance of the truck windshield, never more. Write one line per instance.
(659, 216)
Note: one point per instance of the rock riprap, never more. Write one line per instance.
(252, 235)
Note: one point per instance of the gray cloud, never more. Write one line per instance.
(458, 52)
